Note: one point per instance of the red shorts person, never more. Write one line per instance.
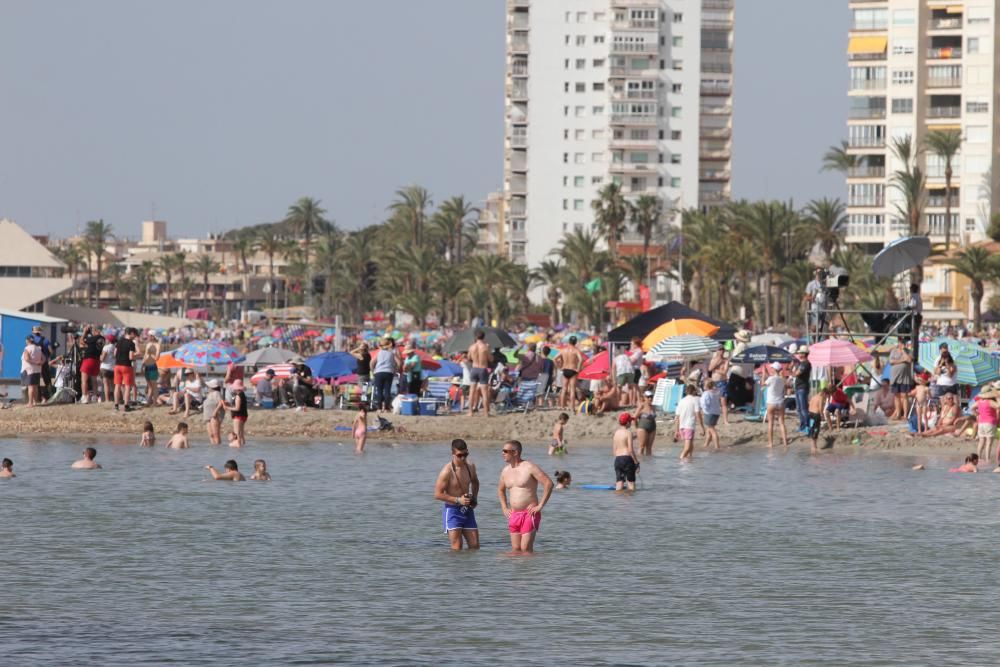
(522, 522)
(125, 375)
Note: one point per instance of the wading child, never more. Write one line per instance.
(558, 444)
(260, 472)
(360, 429)
(234, 440)
(711, 406)
(921, 396)
(816, 404)
(148, 437)
(971, 464)
(179, 440)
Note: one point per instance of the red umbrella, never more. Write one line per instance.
(596, 368)
(427, 361)
(312, 333)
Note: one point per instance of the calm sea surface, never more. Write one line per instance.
(743, 558)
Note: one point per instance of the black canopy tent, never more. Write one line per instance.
(643, 324)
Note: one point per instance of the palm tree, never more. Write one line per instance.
(911, 182)
(646, 214)
(491, 270)
(182, 266)
(168, 264)
(945, 144)
(73, 256)
(270, 244)
(767, 224)
(837, 158)
(549, 273)
(610, 212)
(824, 223)
(96, 236)
(584, 262)
(411, 207)
(205, 265)
(244, 245)
(452, 221)
(306, 216)
(635, 269)
(980, 266)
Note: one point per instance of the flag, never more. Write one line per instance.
(593, 285)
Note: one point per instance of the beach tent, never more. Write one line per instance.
(642, 325)
(268, 355)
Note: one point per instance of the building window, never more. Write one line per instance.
(565, 86)
(565, 111)
(579, 111)
(577, 204)
(598, 86)
(903, 17)
(598, 62)
(566, 158)
(578, 181)
(578, 158)
(972, 44)
(675, 158)
(675, 135)
(676, 87)
(977, 15)
(970, 224)
(902, 47)
(902, 77)
(599, 16)
(597, 134)
(902, 105)
(678, 17)
(598, 39)
(596, 180)
(565, 134)
(597, 157)
(870, 19)
(675, 112)
(565, 204)
(581, 63)
(598, 110)
(581, 87)
(677, 65)
(568, 38)
(977, 106)
(581, 40)
(977, 134)
(581, 17)
(675, 182)
(677, 41)
(578, 134)
(566, 64)
(565, 182)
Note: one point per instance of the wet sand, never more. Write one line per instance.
(533, 428)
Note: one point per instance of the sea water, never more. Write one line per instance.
(745, 557)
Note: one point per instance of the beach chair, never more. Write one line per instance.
(660, 392)
(674, 397)
(351, 396)
(439, 392)
(524, 396)
(758, 411)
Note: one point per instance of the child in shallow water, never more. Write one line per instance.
(148, 436)
(971, 464)
(260, 472)
(563, 479)
(558, 443)
(234, 440)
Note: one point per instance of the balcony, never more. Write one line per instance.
(866, 142)
(519, 141)
(717, 4)
(944, 82)
(870, 26)
(622, 96)
(518, 4)
(717, 88)
(622, 72)
(518, 208)
(950, 23)
(944, 112)
(519, 46)
(945, 53)
(518, 185)
(625, 4)
(632, 168)
(716, 133)
(859, 232)
(867, 84)
(519, 161)
(873, 201)
(633, 119)
(715, 175)
(713, 197)
(717, 110)
(937, 228)
(866, 114)
(866, 171)
(650, 48)
(650, 143)
(942, 201)
(714, 153)
(518, 91)
(636, 24)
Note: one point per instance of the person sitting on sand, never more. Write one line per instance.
(148, 436)
(232, 473)
(838, 407)
(971, 464)
(260, 473)
(608, 397)
(179, 440)
(558, 444)
(563, 479)
(7, 468)
(87, 462)
(946, 421)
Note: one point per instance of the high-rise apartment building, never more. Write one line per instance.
(636, 92)
(917, 66)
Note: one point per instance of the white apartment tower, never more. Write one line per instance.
(637, 92)
(917, 66)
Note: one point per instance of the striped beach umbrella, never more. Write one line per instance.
(687, 346)
(974, 364)
(679, 327)
(280, 371)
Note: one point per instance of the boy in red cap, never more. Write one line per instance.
(626, 462)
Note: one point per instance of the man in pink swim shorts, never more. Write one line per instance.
(518, 492)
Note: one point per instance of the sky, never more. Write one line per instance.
(215, 115)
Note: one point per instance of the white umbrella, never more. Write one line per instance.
(772, 339)
(901, 255)
(268, 355)
(686, 346)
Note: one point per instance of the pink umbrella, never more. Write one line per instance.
(833, 352)
(597, 368)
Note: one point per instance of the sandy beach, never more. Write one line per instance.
(532, 428)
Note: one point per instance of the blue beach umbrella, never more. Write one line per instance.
(975, 365)
(763, 354)
(205, 352)
(449, 369)
(332, 364)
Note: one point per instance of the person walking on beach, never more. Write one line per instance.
(232, 472)
(457, 487)
(90, 366)
(623, 449)
(569, 361)
(150, 371)
(87, 462)
(775, 388)
(817, 405)
(7, 468)
(124, 372)
(645, 423)
(688, 415)
(518, 493)
(107, 368)
(711, 408)
(479, 359)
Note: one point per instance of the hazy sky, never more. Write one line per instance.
(222, 113)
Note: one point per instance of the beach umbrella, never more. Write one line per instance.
(901, 255)
(312, 333)
(510, 354)
(764, 354)
(686, 346)
(463, 340)
(167, 362)
(772, 339)
(445, 369)
(268, 355)
(580, 336)
(679, 327)
(332, 364)
(596, 368)
(833, 352)
(280, 371)
(974, 365)
(205, 352)
(427, 361)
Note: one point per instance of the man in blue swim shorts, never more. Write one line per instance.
(458, 488)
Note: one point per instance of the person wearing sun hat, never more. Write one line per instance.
(623, 449)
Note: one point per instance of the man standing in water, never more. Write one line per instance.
(87, 462)
(458, 488)
(626, 462)
(569, 361)
(479, 360)
(519, 480)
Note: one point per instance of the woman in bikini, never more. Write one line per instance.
(946, 423)
(645, 423)
(360, 428)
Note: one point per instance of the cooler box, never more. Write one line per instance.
(409, 405)
(428, 407)
(267, 403)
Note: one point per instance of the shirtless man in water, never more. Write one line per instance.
(458, 488)
(518, 492)
(479, 375)
(623, 449)
(232, 472)
(569, 361)
(7, 468)
(87, 462)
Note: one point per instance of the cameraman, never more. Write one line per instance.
(816, 297)
(916, 307)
